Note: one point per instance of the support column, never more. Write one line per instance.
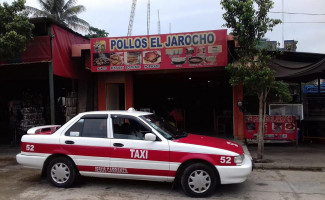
(51, 88)
(128, 91)
(51, 79)
(238, 115)
(101, 93)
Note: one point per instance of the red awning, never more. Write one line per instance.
(63, 63)
(37, 50)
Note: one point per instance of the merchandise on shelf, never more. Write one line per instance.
(31, 117)
(71, 105)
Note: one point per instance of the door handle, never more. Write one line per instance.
(69, 142)
(118, 144)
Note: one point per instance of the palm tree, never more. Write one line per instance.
(64, 13)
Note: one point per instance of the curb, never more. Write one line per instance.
(286, 166)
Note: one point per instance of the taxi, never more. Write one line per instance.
(132, 145)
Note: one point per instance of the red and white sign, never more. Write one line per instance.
(276, 127)
(159, 52)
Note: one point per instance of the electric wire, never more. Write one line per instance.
(294, 13)
(303, 22)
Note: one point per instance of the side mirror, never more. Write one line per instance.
(150, 137)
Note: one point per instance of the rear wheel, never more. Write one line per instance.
(198, 180)
(61, 172)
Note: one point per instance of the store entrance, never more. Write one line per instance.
(115, 96)
(198, 102)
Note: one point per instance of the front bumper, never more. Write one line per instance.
(235, 174)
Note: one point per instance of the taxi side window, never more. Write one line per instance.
(75, 130)
(96, 128)
(128, 128)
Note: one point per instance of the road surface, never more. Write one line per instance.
(17, 182)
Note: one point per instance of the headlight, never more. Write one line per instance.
(239, 159)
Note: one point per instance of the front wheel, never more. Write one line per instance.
(61, 172)
(198, 180)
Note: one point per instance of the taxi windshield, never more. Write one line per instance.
(163, 127)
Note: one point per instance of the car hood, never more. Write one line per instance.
(211, 142)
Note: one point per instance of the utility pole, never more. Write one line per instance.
(283, 24)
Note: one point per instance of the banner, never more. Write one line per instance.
(275, 127)
(159, 52)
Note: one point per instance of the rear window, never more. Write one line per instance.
(96, 128)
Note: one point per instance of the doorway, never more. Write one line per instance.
(202, 97)
(115, 96)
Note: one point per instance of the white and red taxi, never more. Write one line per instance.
(132, 145)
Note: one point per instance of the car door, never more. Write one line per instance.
(87, 143)
(136, 157)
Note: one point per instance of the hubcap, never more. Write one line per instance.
(60, 173)
(199, 181)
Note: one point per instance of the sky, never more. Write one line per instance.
(200, 15)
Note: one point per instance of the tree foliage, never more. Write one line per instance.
(96, 33)
(15, 29)
(65, 13)
(249, 23)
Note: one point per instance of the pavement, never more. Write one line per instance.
(19, 183)
(288, 156)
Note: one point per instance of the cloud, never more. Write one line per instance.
(194, 15)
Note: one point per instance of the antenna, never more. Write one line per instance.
(148, 17)
(283, 23)
(158, 23)
(134, 2)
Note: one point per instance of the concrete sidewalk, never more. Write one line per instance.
(288, 156)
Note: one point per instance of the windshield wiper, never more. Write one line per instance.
(180, 136)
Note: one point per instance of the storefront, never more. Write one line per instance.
(25, 99)
(180, 77)
(305, 72)
(41, 86)
(302, 119)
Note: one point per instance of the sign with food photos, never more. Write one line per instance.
(275, 127)
(159, 52)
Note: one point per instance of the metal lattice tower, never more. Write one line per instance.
(134, 2)
(158, 23)
(148, 18)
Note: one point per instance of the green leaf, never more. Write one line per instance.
(15, 29)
